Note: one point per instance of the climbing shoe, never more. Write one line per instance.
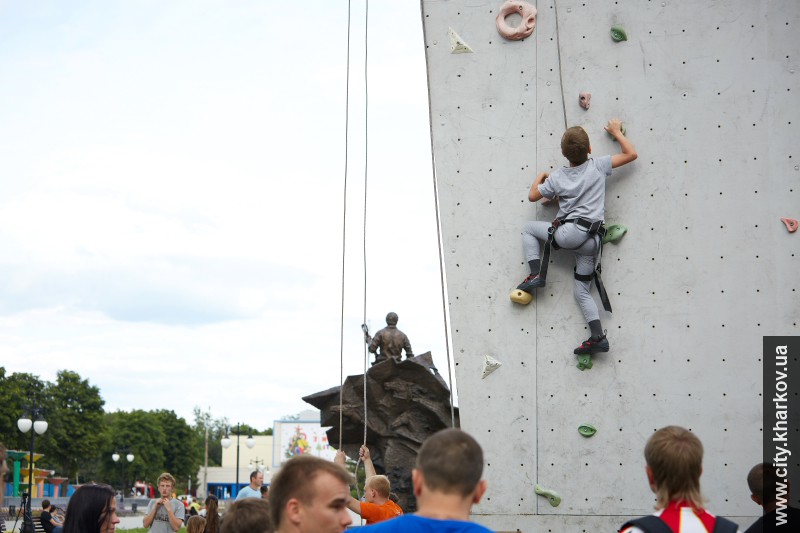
(592, 346)
(531, 282)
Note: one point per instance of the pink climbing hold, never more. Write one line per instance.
(584, 99)
(526, 25)
(791, 224)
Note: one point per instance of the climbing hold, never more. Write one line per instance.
(551, 495)
(584, 98)
(457, 44)
(622, 128)
(585, 362)
(490, 364)
(791, 224)
(526, 25)
(614, 232)
(587, 430)
(618, 34)
(520, 297)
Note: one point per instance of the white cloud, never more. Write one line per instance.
(171, 180)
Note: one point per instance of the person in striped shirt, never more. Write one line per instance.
(674, 458)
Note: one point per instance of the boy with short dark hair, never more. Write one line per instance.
(48, 518)
(447, 483)
(580, 189)
(763, 481)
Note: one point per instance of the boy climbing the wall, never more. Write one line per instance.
(581, 190)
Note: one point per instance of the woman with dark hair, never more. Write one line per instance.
(212, 514)
(92, 509)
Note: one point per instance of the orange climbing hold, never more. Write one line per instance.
(791, 224)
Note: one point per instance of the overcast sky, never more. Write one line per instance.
(171, 200)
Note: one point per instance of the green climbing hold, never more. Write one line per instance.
(614, 232)
(587, 430)
(551, 495)
(622, 129)
(618, 34)
(585, 362)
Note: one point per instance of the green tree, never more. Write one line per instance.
(140, 433)
(76, 430)
(17, 391)
(182, 448)
(216, 431)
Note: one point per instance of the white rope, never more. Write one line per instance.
(364, 235)
(560, 77)
(344, 227)
(441, 263)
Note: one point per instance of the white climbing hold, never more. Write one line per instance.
(457, 44)
(490, 364)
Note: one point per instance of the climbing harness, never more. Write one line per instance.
(592, 228)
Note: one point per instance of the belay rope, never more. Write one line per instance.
(364, 242)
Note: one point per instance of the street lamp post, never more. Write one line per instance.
(257, 464)
(226, 443)
(115, 456)
(24, 424)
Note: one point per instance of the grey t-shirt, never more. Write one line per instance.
(161, 521)
(581, 190)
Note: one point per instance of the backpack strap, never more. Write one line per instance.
(649, 524)
(723, 525)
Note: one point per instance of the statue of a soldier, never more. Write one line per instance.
(390, 340)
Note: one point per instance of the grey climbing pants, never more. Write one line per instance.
(569, 237)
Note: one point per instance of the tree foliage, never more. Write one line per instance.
(76, 430)
(16, 392)
(81, 437)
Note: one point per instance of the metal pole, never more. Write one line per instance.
(205, 472)
(237, 456)
(27, 519)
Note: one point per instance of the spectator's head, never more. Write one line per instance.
(575, 145)
(450, 462)
(264, 491)
(391, 319)
(46, 505)
(212, 502)
(165, 484)
(377, 489)
(310, 495)
(256, 479)
(674, 457)
(92, 509)
(196, 524)
(250, 515)
(763, 481)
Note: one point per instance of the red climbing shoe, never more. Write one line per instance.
(531, 282)
(592, 346)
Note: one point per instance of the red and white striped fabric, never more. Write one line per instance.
(681, 517)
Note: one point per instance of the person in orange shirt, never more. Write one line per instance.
(377, 507)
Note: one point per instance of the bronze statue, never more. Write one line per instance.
(390, 340)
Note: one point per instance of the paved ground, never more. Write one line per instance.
(126, 522)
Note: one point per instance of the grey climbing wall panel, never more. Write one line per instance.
(706, 91)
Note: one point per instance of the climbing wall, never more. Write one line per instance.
(707, 92)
